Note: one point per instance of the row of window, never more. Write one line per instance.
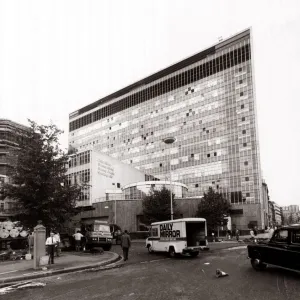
(142, 111)
(80, 159)
(214, 66)
(79, 177)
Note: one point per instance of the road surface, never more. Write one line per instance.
(152, 276)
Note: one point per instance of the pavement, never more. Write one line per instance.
(19, 270)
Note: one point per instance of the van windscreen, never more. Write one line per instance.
(100, 227)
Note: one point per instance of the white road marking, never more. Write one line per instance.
(9, 272)
(236, 248)
(150, 261)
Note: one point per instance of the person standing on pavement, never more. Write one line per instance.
(125, 244)
(237, 235)
(30, 242)
(77, 236)
(50, 243)
(271, 231)
(57, 248)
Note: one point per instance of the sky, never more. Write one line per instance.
(58, 56)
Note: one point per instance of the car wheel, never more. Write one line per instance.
(150, 249)
(172, 252)
(257, 264)
(194, 254)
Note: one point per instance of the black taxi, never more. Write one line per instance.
(282, 250)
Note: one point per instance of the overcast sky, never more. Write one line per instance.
(58, 56)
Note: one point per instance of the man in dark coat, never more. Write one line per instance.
(125, 244)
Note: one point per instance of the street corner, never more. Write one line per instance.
(65, 264)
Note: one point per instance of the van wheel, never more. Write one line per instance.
(194, 254)
(150, 249)
(107, 248)
(172, 252)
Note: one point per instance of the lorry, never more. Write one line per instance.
(180, 236)
(97, 234)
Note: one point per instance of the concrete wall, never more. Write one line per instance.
(251, 212)
(129, 210)
(107, 172)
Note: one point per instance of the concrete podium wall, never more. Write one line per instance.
(128, 212)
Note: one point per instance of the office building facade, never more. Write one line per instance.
(206, 102)
(10, 135)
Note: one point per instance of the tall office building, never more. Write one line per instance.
(206, 102)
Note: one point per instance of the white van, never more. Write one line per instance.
(181, 236)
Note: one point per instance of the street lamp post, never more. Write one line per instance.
(170, 141)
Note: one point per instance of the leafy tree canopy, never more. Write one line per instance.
(213, 207)
(39, 181)
(157, 206)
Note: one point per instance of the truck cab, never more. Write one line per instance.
(181, 236)
(97, 234)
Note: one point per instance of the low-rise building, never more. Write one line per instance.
(291, 214)
(276, 214)
(100, 175)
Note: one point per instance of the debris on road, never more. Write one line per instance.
(207, 263)
(220, 273)
(31, 284)
(21, 285)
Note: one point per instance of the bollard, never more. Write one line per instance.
(39, 244)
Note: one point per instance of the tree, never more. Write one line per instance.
(39, 181)
(214, 208)
(157, 206)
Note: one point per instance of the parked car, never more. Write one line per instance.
(282, 250)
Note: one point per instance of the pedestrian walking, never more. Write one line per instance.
(237, 235)
(57, 246)
(255, 231)
(30, 240)
(50, 243)
(271, 231)
(229, 234)
(253, 236)
(77, 236)
(125, 244)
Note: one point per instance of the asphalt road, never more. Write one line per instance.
(154, 276)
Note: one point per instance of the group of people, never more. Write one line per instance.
(53, 244)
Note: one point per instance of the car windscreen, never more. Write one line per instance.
(102, 228)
